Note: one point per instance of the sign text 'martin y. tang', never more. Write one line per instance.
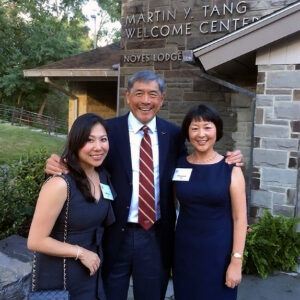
(162, 23)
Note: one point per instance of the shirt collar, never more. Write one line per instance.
(135, 125)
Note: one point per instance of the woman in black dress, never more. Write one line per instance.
(89, 212)
(211, 227)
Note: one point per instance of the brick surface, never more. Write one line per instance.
(286, 79)
(271, 131)
(289, 111)
(279, 144)
(270, 158)
(261, 198)
(279, 177)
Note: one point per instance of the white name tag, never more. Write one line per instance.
(182, 174)
(106, 191)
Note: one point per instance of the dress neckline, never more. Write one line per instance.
(210, 164)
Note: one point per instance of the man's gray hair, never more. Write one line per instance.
(146, 76)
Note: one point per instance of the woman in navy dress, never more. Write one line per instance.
(89, 212)
(212, 222)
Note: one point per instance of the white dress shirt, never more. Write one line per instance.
(135, 138)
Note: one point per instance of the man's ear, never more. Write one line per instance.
(126, 96)
(162, 99)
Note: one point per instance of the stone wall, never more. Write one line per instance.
(186, 87)
(276, 155)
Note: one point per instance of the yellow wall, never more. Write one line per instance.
(100, 108)
(99, 98)
(79, 106)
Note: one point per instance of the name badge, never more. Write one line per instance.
(106, 191)
(182, 174)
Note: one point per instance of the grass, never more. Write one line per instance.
(16, 141)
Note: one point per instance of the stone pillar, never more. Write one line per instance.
(275, 177)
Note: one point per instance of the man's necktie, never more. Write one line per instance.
(146, 215)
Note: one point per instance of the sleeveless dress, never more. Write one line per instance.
(204, 233)
(86, 222)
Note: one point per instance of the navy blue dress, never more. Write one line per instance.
(204, 233)
(86, 224)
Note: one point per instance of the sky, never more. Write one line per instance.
(91, 8)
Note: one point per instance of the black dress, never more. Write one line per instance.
(86, 222)
(204, 233)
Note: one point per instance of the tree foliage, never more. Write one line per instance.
(35, 33)
(113, 8)
(106, 33)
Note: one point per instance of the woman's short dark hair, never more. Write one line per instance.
(77, 138)
(205, 113)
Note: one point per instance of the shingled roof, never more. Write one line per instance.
(97, 62)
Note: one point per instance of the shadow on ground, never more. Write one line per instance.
(280, 286)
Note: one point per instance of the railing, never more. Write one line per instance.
(20, 116)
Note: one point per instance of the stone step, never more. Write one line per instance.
(15, 268)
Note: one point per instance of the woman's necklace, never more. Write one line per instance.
(203, 161)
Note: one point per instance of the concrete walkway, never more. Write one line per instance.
(280, 286)
(15, 268)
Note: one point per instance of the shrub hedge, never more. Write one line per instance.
(19, 187)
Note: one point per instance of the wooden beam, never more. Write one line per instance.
(60, 88)
(228, 85)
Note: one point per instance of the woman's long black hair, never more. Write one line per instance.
(77, 138)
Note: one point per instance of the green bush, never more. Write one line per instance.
(272, 244)
(19, 187)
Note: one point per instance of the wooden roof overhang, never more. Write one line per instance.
(98, 64)
(73, 74)
(236, 52)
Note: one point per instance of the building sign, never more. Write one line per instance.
(162, 23)
(158, 24)
(154, 57)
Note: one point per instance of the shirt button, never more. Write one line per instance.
(123, 229)
(127, 207)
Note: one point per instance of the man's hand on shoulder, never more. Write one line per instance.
(54, 166)
(235, 157)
